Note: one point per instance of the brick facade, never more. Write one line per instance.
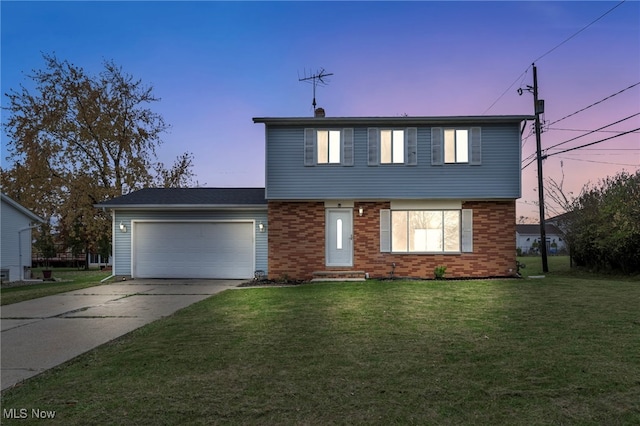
(297, 243)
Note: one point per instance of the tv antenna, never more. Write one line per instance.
(319, 78)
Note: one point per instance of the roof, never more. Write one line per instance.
(535, 229)
(25, 211)
(202, 198)
(400, 121)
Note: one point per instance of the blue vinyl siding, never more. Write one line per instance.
(122, 241)
(497, 177)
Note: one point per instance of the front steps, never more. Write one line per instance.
(338, 276)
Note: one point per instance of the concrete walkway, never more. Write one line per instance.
(39, 334)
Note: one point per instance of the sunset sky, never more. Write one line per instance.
(215, 65)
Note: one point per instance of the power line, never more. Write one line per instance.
(593, 104)
(592, 143)
(612, 149)
(581, 30)
(593, 131)
(600, 162)
(523, 74)
(577, 137)
(528, 164)
(579, 147)
(583, 130)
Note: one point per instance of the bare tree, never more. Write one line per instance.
(78, 139)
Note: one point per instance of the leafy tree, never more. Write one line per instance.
(604, 224)
(79, 139)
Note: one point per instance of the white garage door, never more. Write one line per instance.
(193, 250)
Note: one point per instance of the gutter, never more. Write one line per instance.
(108, 278)
(20, 231)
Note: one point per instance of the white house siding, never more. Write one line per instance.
(525, 241)
(12, 221)
(123, 245)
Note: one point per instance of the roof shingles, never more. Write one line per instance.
(189, 196)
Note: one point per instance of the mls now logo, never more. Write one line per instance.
(23, 413)
(14, 413)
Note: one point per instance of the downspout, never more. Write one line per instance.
(113, 245)
(20, 248)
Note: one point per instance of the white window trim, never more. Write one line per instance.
(456, 145)
(466, 233)
(474, 149)
(408, 153)
(345, 148)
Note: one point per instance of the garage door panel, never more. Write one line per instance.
(193, 250)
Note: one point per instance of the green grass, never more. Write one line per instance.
(67, 279)
(559, 350)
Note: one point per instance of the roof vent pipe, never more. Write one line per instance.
(319, 113)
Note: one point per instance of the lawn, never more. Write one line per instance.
(67, 279)
(559, 350)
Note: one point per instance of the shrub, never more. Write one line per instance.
(439, 272)
(603, 228)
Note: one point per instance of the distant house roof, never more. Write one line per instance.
(402, 121)
(25, 211)
(199, 198)
(535, 229)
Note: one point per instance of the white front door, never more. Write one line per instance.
(339, 237)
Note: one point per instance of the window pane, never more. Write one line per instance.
(385, 146)
(334, 146)
(462, 146)
(399, 231)
(398, 146)
(323, 146)
(452, 230)
(449, 146)
(425, 231)
(418, 227)
(339, 234)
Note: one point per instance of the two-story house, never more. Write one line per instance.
(401, 195)
(345, 197)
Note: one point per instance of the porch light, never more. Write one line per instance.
(261, 227)
(360, 211)
(123, 227)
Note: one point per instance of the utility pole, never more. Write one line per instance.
(539, 109)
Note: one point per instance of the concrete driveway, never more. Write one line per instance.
(41, 333)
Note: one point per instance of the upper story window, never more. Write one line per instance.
(456, 146)
(328, 146)
(451, 146)
(392, 146)
(328, 143)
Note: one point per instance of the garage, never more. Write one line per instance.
(193, 249)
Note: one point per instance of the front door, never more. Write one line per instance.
(339, 237)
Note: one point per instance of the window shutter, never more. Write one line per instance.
(412, 146)
(467, 230)
(436, 146)
(347, 147)
(385, 230)
(372, 147)
(476, 146)
(309, 147)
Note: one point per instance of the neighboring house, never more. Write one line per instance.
(344, 198)
(189, 233)
(527, 235)
(392, 195)
(17, 222)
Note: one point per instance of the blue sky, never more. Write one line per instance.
(215, 65)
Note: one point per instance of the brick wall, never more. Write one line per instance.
(297, 244)
(296, 239)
